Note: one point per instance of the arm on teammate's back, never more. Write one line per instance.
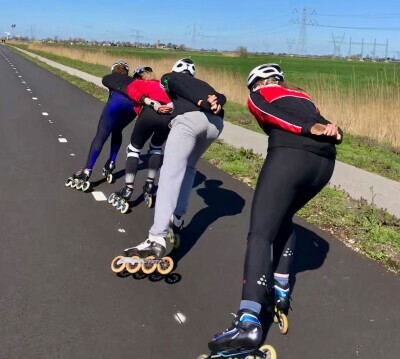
(117, 82)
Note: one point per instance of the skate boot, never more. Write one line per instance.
(148, 256)
(175, 227)
(281, 306)
(108, 170)
(120, 199)
(241, 340)
(149, 193)
(79, 180)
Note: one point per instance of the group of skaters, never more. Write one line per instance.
(185, 115)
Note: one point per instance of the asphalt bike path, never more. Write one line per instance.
(59, 298)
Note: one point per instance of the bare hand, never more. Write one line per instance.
(331, 130)
(215, 106)
(165, 109)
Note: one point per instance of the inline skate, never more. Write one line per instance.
(108, 170)
(280, 305)
(79, 180)
(120, 199)
(148, 257)
(149, 193)
(242, 340)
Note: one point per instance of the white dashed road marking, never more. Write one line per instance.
(34, 98)
(180, 318)
(45, 114)
(121, 230)
(62, 140)
(99, 196)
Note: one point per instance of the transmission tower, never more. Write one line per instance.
(304, 22)
(290, 43)
(195, 32)
(138, 35)
(337, 43)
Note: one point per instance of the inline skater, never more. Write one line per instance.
(153, 107)
(116, 115)
(300, 162)
(197, 121)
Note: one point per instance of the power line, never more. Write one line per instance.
(361, 28)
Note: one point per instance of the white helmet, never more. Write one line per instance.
(123, 63)
(184, 65)
(264, 71)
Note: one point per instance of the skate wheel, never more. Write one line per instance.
(117, 268)
(68, 182)
(275, 315)
(283, 323)
(109, 178)
(165, 266)
(85, 186)
(124, 208)
(78, 185)
(111, 198)
(269, 351)
(148, 268)
(115, 202)
(202, 356)
(73, 184)
(149, 201)
(176, 241)
(133, 268)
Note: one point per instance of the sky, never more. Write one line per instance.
(263, 26)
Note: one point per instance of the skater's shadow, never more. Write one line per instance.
(116, 176)
(220, 202)
(310, 253)
(171, 278)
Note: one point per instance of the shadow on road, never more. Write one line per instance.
(220, 202)
(310, 254)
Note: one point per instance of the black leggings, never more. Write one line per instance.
(288, 180)
(149, 124)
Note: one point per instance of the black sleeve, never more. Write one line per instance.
(117, 82)
(193, 89)
(274, 116)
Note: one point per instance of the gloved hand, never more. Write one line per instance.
(155, 105)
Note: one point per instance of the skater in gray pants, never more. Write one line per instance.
(197, 121)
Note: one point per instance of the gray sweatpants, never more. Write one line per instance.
(191, 134)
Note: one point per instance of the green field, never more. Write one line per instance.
(300, 71)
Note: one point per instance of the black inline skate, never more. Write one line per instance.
(108, 170)
(281, 305)
(120, 199)
(79, 180)
(148, 256)
(242, 340)
(149, 193)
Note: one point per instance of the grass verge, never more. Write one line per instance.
(362, 227)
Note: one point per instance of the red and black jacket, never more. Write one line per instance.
(286, 116)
